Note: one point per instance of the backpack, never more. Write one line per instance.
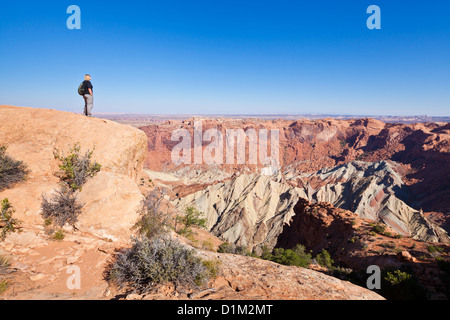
(82, 90)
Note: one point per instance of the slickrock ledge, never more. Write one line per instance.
(33, 135)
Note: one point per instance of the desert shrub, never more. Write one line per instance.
(58, 235)
(4, 265)
(48, 222)
(342, 273)
(266, 253)
(4, 285)
(343, 143)
(154, 216)
(380, 229)
(75, 168)
(212, 268)
(11, 171)
(7, 222)
(62, 207)
(148, 184)
(191, 218)
(397, 277)
(400, 285)
(435, 249)
(232, 248)
(354, 239)
(389, 245)
(444, 267)
(227, 247)
(74, 171)
(208, 245)
(324, 259)
(296, 256)
(154, 261)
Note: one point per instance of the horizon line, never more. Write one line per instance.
(266, 114)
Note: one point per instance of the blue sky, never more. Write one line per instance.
(240, 57)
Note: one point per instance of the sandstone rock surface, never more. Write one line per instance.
(110, 198)
(245, 278)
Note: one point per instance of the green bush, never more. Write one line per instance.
(266, 253)
(11, 171)
(400, 285)
(296, 256)
(342, 273)
(75, 168)
(154, 261)
(324, 259)
(7, 222)
(191, 218)
(58, 235)
(397, 277)
(380, 229)
(435, 249)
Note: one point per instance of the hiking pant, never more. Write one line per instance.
(88, 104)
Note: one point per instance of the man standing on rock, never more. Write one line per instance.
(86, 91)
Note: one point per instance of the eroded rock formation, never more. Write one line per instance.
(110, 207)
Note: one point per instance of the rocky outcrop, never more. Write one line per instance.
(352, 243)
(374, 191)
(306, 146)
(251, 209)
(248, 210)
(111, 206)
(317, 227)
(251, 278)
(30, 132)
(33, 135)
